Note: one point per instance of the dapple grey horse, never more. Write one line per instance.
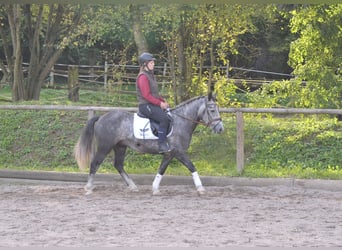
(114, 131)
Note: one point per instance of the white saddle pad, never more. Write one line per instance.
(142, 128)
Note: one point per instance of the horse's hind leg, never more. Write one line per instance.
(94, 166)
(120, 153)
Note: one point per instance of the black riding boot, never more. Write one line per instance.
(163, 145)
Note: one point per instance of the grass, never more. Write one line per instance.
(301, 146)
(298, 147)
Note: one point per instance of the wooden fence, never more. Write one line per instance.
(114, 73)
(240, 157)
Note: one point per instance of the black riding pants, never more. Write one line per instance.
(158, 115)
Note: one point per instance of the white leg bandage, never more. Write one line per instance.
(156, 181)
(196, 179)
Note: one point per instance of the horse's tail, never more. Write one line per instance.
(84, 148)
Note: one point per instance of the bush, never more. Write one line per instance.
(296, 146)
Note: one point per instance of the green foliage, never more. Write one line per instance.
(44, 140)
(107, 23)
(316, 55)
(276, 94)
(226, 93)
(266, 44)
(197, 32)
(305, 146)
(38, 138)
(301, 147)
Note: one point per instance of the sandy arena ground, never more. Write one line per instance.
(46, 213)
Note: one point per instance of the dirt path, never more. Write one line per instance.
(59, 214)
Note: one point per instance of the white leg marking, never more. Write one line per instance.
(156, 183)
(198, 183)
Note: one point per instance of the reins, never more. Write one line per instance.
(192, 120)
(200, 122)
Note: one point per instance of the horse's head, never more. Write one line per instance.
(211, 115)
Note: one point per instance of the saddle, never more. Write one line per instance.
(145, 128)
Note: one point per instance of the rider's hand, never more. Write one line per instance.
(164, 105)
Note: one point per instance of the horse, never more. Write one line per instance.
(114, 131)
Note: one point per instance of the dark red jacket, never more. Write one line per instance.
(147, 89)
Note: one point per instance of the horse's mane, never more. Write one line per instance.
(189, 101)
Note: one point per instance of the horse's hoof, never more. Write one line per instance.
(201, 190)
(88, 188)
(133, 188)
(156, 192)
(89, 192)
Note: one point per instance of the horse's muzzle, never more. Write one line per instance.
(218, 127)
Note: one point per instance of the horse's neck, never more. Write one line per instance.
(191, 109)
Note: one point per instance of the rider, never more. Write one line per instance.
(151, 104)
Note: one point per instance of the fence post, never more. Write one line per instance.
(73, 83)
(165, 68)
(240, 154)
(105, 73)
(91, 114)
(51, 77)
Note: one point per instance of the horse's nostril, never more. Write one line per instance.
(218, 131)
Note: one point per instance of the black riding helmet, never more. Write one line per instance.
(145, 57)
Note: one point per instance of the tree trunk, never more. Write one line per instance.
(33, 34)
(46, 38)
(14, 15)
(212, 67)
(73, 85)
(181, 66)
(171, 58)
(6, 70)
(43, 58)
(139, 38)
(184, 64)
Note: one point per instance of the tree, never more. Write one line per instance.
(197, 36)
(136, 20)
(266, 46)
(44, 31)
(110, 30)
(14, 15)
(316, 55)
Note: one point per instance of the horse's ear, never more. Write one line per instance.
(212, 96)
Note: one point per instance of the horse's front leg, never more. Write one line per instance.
(184, 158)
(161, 171)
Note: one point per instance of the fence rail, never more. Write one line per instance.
(103, 74)
(238, 112)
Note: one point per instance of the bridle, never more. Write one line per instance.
(212, 120)
(206, 124)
